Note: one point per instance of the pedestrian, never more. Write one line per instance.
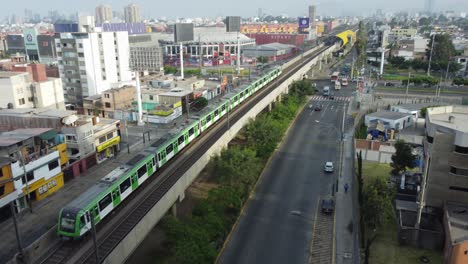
(346, 187)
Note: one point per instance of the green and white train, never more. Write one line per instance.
(74, 219)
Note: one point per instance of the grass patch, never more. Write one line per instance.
(385, 249)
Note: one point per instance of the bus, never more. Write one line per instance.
(334, 76)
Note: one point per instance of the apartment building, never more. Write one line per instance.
(32, 161)
(132, 14)
(446, 155)
(103, 14)
(28, 86)
(105, 104)
(89, 63)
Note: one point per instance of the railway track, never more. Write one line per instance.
(112, 237)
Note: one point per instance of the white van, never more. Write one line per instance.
(337, 85)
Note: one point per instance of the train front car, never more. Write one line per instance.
(68, 224)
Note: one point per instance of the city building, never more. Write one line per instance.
(391, 120)
(103, 14)
(456, 233)
(446, 149)
(32, 159)
(463, 61)
(274, 52)
(15, 43)
(109, 101)
(214, 45)
(132, 14)
(30, 88)
(283, 38)
(89, 63)
(146, 53)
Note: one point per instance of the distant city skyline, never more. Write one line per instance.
(244, 8)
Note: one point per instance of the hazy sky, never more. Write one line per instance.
(211, 8)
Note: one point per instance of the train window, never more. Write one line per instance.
(180, 140)
(67, 224)
(241, 94)
(159, 156)
(141, 171)
(125, 185)
(104, 202)
(216, 112)
(82, 221)
(223, 107)
(191, 132)
(169, 149)
(208, 119)
(154, 162)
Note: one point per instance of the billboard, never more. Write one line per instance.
(304, 22)
(289, 28)
(233, 23)
(30, 38)
(183, 32)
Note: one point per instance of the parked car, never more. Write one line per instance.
(328, 205)
(389, 84)
(318, 108)
(329, 166)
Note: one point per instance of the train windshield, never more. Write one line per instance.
(67, 223)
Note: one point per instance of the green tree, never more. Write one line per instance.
(263, 134)
(377, 202)
(403, 158)
(443, 48)
(424, 21)
(170, 70)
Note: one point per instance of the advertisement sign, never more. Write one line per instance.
(30, 38)
(304, 22)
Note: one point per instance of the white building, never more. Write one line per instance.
(22, 90)
(393, 120)
(90, 62)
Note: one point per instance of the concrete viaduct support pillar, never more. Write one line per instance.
(174, 210)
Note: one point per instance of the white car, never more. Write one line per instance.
(329, 166)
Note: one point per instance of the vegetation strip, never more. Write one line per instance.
(199, 237)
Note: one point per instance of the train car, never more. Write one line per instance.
(212, 114)
(166, 148)
(75, 218)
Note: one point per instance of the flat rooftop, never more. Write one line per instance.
(457, 218)
(5, 74)
(415, 107)
(15, 136)
(453, 117)
(388, 115)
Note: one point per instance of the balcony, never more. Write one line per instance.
(33, 161)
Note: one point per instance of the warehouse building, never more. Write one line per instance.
(274, 52)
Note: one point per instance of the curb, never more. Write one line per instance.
(262, 173)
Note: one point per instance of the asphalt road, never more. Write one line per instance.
(277, 223)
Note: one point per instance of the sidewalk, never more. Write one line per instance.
(45, 212)
(347, 214)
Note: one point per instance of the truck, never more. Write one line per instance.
(326, 91)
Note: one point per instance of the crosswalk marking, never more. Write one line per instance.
(326, 98)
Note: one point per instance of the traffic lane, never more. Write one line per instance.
(344, 91)
(270, 230)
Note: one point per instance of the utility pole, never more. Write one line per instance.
(407, 87)
(126, 134)
(93, 232)
(19, 242)
(430, 56)
(25, 175)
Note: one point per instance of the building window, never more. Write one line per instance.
(461, 189)
(462, 150)
(1, 172)
(30, 99)
(110, 135)
(106, 95)
(80, 45)
(108, 105)
(54, 164)
(29, 176)
(151, 97)
(21, 101)
(80, 54)
(102, 139)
